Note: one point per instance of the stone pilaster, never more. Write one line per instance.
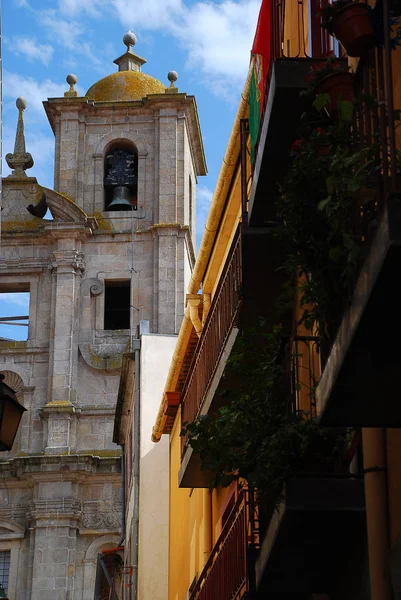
(67, 266)
(54, 524)
(167, 212)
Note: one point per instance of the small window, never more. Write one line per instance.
(4, 569)
(117, 297)
(14, 311)
(120, 176)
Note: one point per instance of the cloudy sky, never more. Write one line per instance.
(206, 42)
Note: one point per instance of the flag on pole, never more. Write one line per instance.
(260, 59)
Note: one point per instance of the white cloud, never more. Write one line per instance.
(17, 298)
(74, 7)
(31, 49)
(217, 36)
(152, 14)
(32, 90)
(65, 32)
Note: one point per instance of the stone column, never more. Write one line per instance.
(67, 176)
(165, 278)
(67, 266)
(168, 166)
(54, 531)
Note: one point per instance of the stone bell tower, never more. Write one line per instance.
(118, 249)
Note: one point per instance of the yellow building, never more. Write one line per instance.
(318, 539)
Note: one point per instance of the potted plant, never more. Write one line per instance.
(350, 23)
(332, 77)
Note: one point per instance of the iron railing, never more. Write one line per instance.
(226, 575)
(222, 317)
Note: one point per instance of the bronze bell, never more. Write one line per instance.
(121, 199)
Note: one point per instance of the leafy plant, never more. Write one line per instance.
(318, 209)
(327, 67)
(254, 436)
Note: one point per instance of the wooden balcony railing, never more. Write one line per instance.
(223, 315)
(226, 573)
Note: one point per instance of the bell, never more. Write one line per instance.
(121, 199)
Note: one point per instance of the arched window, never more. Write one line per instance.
(120, 176)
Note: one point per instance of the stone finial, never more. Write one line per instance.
(129, 39)
(20, 159)
(71, 79)
(172, 76)
(129, 61)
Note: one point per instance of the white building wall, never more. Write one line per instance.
(156, 354)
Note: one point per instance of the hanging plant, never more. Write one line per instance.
(350, 22)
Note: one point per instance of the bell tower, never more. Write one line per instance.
(133, 142)
(118, 250)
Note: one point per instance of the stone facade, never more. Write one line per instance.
(60, 488)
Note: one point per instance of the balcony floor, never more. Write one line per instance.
(306, 536)
(360, 383)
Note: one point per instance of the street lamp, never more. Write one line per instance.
(3, 595)
(11, 412)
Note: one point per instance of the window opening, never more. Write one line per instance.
(121, 177)
(4, 569)
(117, 300)
(14, 312)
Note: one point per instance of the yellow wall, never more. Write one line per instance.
(188, 527)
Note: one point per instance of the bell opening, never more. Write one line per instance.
(120, 178)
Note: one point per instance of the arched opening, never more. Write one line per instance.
(120, 180)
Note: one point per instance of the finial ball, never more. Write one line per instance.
(21, 103)
(129, 39)
(172, 76)
(71, 79)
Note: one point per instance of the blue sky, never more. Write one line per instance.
(207, 42)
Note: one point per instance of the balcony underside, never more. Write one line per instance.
(360, 383)
(308, 535)
(281, 120)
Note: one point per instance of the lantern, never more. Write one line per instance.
(11, 412)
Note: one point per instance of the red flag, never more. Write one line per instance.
(261, 63)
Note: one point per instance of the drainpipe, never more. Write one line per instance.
(136, 461)
(206, 307)
(375, 467)
(194, 301)
(123, 506)
(207, 525)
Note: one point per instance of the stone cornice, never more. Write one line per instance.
(23, 265)
(55, 467)
(67, 261)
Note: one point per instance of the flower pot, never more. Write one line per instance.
(338, 86)
(353, 28)
(324, 150)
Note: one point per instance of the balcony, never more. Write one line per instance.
(306, 535)
(226, 573)
(297, 40)
(361, 376)
(246, 292)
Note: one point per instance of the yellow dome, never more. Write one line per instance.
(124, 86)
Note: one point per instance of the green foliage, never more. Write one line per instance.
(318, 209)
(254, 435)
